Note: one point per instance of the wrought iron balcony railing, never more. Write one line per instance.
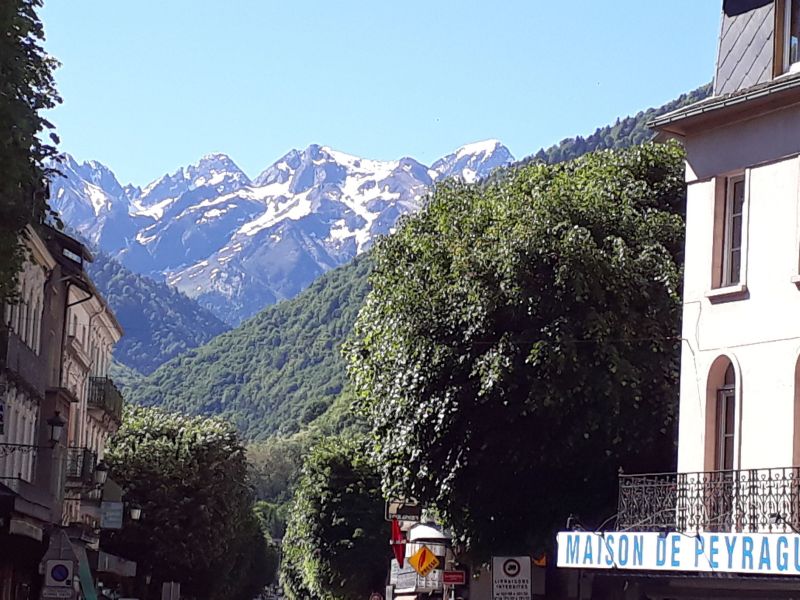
(81, 463)
(752, 500)
(104, 395)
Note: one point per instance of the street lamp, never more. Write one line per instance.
(136, 513)
(100, 473)
(56, 423)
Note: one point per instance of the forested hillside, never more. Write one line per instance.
(276, 372)
(159, 321)
(282, 369)
(626, 132)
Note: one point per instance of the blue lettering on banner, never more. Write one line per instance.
(730, 544)
(782, 556)
(622, 550)
(638, 550)
(747, 553)
(756, 553)
(797, 553)
(587, 551)
(609, 540)
(676, 549)
(573, 547)
(764, 561)
(698, 550)
(661, 551)
(713, 550)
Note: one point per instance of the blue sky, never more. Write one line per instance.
(152, 85)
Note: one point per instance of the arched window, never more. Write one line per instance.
(722, 399)
(726, 421)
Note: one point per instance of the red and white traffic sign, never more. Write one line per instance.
(454, 577)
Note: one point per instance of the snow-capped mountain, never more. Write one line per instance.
(237, 245)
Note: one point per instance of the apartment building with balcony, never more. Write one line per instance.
(726, 522)
(55, 349)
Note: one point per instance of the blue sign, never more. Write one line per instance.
(758, 553)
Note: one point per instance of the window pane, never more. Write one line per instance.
(735, 265)
(727, 456)
(729, 413)
(738, 197)
(736, 232)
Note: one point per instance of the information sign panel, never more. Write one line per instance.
(511, 578)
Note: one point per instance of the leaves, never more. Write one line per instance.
(520, 344)
(189, 476)
(335, 546)
(26, 89)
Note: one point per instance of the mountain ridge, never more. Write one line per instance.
(237, 244)
(245, 374)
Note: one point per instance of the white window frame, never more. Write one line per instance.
(788, 66)
(722, 289)
(727, 279)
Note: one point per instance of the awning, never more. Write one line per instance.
(739, 7)
(108, 563)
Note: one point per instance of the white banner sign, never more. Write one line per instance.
(758, 553)
(511, 578)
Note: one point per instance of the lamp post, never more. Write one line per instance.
(56, 424)
(100, 474)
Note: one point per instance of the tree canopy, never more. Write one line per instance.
(27, 89)
(520, 344)
(189, 476)
(336, 543)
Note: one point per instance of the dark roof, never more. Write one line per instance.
(742, 104)
(739, 7)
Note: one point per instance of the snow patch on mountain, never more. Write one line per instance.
(238, 244)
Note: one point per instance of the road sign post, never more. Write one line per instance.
(423, 561)
(511, 578)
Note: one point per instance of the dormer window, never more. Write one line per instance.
(791, 36)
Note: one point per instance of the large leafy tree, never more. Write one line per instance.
(26, 90)
(520, 344)
(336, 543)
(189, 476)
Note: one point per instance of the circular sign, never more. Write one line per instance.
(375, 596)
(511, 567)
(59, 573)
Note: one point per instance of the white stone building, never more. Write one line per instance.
(726, 523)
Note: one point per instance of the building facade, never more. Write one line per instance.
(55, 349)
(726, 523)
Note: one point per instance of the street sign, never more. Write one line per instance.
(60, 593)
(511, 578)
(398, 542)
(58, 573)
(111, 515)
(403, 510)
(375, 596)
(423, 561)
(454, 577)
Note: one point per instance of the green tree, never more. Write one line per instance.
(335, 547)
(520, 344)
(189, 475)
(26, 90)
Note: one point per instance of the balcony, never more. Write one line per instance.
(81, 463)
(746, 501)
(22, 363)
(104, 396)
